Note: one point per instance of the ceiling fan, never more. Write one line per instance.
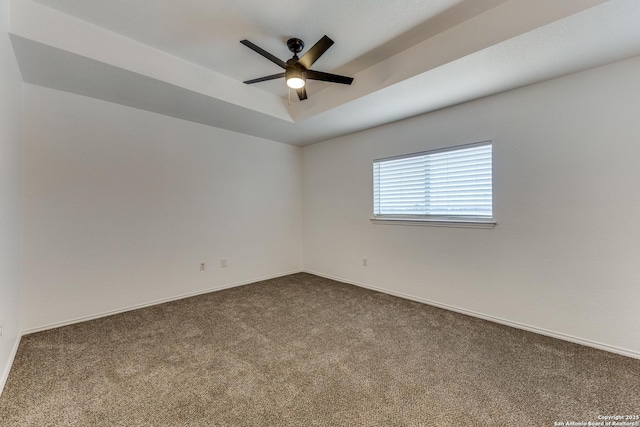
(297, 69)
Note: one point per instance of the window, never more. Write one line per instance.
(451, 186)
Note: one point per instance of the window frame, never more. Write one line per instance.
(457, 221)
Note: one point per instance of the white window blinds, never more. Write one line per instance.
(454, 183)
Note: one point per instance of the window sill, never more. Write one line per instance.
(434, 222)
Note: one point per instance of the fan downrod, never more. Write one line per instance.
(295, 45)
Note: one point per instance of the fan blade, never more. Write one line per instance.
(302, 93)
(264, 53)
(265, 78)
(328, 77)
(315, 52)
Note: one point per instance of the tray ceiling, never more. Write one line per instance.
(184, 59)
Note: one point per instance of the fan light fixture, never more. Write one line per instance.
(297, 70)
(295, 78)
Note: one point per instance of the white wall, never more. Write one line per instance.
(10, 196)
(564, 257)
(121, 206)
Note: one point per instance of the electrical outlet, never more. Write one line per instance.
(202, 266)
(364, 262)
(223, 263)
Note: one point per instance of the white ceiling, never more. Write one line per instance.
(183, 58)
(207, 32)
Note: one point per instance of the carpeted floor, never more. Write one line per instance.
(306, 351)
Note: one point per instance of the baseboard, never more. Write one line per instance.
(7, 368)
(517, 325)
(151, 303)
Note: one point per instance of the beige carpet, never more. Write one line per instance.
(306, 351)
